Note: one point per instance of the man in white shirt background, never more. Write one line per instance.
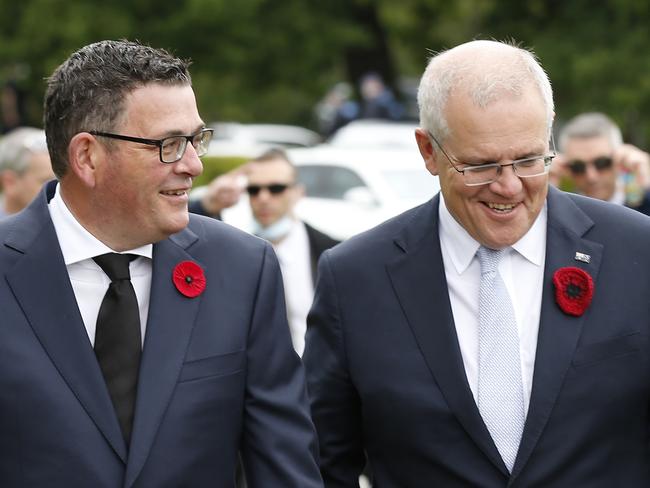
(273, 193)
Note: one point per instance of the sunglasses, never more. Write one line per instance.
(273, 188)
(602, 163)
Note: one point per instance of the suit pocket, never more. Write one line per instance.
(219, 365)
(611, 348)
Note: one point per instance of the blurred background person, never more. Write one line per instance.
(12, 107)
(24, 168)
(336, 109)
(595, 162)
(377, 100)
(273, 193)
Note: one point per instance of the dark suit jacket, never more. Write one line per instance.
(318, 244)
(218, 372)
(385, 372)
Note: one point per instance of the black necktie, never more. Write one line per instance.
(117, 338)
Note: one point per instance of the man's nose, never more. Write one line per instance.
(190, 163)
(591, 173)
(507, 183)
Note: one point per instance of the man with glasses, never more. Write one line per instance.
(273, 194)
(488, 337)
(140, 346)
(595, 161)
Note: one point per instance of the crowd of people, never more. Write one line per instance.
(494, 336)
(376, 101)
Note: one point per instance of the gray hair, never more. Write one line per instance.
(485, 73)
(17, 147)
(87, 91)
(591, 124)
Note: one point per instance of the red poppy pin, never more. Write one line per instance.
(189, 279)
(573, 290)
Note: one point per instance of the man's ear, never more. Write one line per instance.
(427, 150)
(85, 153)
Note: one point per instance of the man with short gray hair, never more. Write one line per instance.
(497, 335)
(24, 168)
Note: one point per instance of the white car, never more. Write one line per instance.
(351, 190)
(376, 133)
(251, 140)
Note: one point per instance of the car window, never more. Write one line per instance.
(328, 181)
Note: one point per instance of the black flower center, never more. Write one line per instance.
(188, 279)
(573, 290)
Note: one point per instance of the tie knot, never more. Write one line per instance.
(116, 266)
(489, 258)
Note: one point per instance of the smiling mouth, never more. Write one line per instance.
(502, 207)
(174, 193)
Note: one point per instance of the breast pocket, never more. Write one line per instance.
(611, 348)
(213, 366)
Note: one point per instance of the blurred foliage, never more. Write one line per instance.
(214, 166)
(268, 61)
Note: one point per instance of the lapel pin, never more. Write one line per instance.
(585, 258)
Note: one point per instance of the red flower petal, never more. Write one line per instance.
(189, 279)
(574, 289)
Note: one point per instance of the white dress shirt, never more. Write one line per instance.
(522, 270)
(89, 282)
(295, 262)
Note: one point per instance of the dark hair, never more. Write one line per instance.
(87, 91)
(275, 154)
(271, 155)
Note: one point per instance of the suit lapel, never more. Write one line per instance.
(169, 327)
(418, 278)
(40, 283)
(558, 332)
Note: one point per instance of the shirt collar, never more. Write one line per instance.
(77, 244)
(286, 248)
(462, 247)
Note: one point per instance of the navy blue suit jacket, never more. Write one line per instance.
(218, 374)
(386, 376)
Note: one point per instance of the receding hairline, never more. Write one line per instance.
(483, 70)
(479, 62)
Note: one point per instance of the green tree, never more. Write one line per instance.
(262, 60)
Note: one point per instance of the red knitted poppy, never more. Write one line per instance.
(574, 289)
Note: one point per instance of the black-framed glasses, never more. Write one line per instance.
(602, 163)
(484, 174)
(273, 188)
(171, 148)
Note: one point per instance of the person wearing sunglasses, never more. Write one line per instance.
(140, 345)
(595, 161)
(496, 335)
(273, 193)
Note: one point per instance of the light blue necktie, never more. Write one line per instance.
(500, 386)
